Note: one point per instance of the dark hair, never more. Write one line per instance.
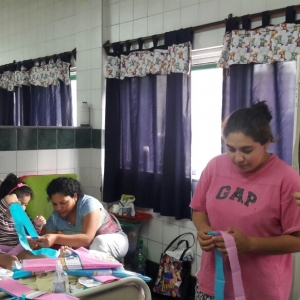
(64, 185)
(10, 186)
(252, 121)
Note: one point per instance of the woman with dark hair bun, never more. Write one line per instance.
(80, 220)
(13, 190)
(248, 192)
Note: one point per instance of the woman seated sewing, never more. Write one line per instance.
(80, 220)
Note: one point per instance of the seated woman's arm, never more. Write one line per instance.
(90, 223)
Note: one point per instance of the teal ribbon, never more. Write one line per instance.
(219, 276)
(22, 221)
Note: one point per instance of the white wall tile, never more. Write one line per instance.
(46, 172)
(82, 40)
(8, 161)
(186, 223)
(96, 16)
(155, 232)
(114, 33)
(83, 60)
(208, 12)
(155, 7)
(126, 11)
(46, 160)
(96, 99)
(229, 7)
(114, 14)
(154, 251)
(84, 176)
(171, 5)
(96, 158)
(66, 171)
(170, 232)
(126, 31)
(95, 177)
(82, 158)
(96, 37)
(65, 159)
(189, 16)
(184, 3)
(155, 24)
(96, 118)
(96, 78)
(27, 161)
(171, 20)
(140, 28)
(83, 80)
(96, 58)
(140, 9)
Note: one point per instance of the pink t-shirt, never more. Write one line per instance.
(259, 204)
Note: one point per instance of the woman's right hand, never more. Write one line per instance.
(205, 240)
(9, 199)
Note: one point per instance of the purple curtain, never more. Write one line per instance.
(148, 142)
(7, 107)
(274, 83)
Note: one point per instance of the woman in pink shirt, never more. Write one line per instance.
(248, 192)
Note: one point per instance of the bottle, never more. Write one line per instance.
(140, 259)
(84, 114)
(60, 280)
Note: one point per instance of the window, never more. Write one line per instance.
(206, 108)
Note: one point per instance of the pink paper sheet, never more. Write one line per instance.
(90, 262)
(13, 287)
(87, 260)
(40, 264)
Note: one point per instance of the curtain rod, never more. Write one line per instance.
(278, 11)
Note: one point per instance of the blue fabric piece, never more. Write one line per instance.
(22, 221)
(46, 251)
(219, 276)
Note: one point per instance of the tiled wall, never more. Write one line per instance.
(131, 19)
(27, 151)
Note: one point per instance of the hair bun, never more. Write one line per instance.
(263, 109)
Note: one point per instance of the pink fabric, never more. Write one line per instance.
(12, 250)
(105, 279)
(259, 204)
(234, 265)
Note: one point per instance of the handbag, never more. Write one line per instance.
(238, 288)
(175, 268)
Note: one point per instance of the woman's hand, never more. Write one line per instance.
(10, 199)
(205, 240)
(242, 241)
(32, 243)
(46, 240)
(39, 221)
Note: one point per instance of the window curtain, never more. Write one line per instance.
(260, 64)
(244, 85)
(36, 95)
(147, 127)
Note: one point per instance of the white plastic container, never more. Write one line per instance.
(60, 280)
(84, 114)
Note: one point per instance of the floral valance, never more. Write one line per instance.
(44, 75)
(265, 45)
(176, 59)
